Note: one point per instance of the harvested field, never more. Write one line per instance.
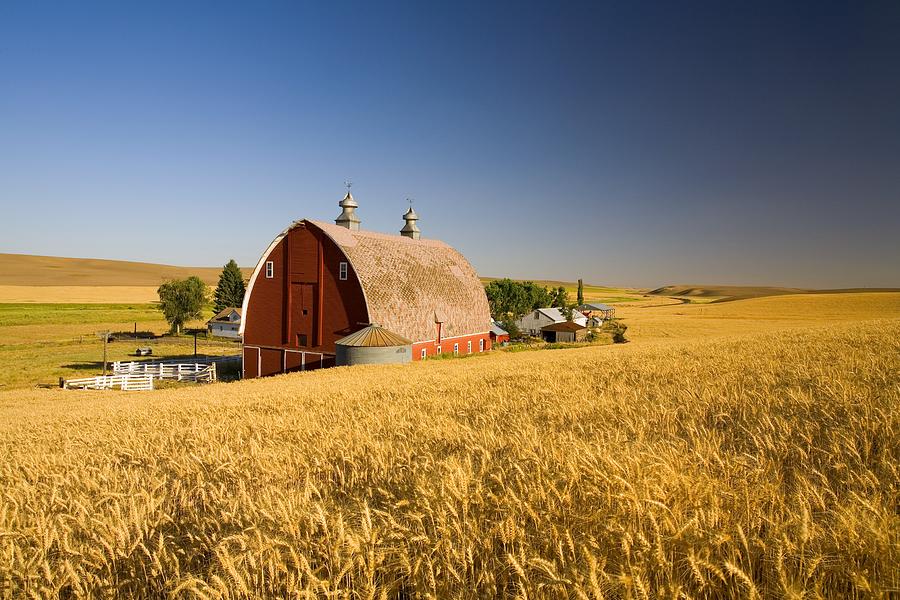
(29, 270)
(79, 294)
(668, 320)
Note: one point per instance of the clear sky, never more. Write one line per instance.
(629, 143)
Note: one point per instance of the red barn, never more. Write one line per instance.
(318, 282)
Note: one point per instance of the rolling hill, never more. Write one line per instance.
(727, 293)
(712, 292)
(30, 270)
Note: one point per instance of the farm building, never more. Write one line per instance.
(598, 310)
(533, 322)
(225, 324)
(372, 345)
(499, 335)
(566, 331)
(319, 282)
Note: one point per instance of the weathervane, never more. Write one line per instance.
(348, 184)
(410, 200)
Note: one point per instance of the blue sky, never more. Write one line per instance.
(625, 143)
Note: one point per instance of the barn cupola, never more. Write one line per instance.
(348, 217)
(410, 230)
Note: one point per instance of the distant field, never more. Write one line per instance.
(739, 450)
(79, 294)
(653, 324)
(27, 270)
(47, 279)
(66, 314)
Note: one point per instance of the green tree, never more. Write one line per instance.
(181, 300)
(230, 291)
(560, 297)
(510, 300)
(537, 296)
(561, 301)
(510, 327)
(580, 300)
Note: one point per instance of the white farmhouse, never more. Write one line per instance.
(533, 322)
(225, 324)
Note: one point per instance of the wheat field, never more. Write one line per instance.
(758, 465)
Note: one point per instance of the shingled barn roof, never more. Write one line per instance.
(409, 284)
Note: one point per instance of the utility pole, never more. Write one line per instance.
(104, 335)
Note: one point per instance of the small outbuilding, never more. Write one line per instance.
(499, 336)
(372, 345)
(566, 331)
(226, 324)
(533, 322)
(598, 310)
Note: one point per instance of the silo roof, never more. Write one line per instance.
(373, 336)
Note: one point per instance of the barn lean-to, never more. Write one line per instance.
(319, 282)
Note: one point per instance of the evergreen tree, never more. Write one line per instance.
(580, 301)
(181, 300)
(230, 291)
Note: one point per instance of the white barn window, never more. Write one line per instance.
(469, 348)
(424, 353)
(343, 271)
(455, 349)
(481, 345)
(437, 350)
(270, 269)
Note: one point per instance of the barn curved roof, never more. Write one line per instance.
(409, 284)
(412, 284)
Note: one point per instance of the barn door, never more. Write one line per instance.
(303, 296)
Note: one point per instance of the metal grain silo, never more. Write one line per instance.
(372, 345)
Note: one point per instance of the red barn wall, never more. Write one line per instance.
(304, 301)
(446, 345)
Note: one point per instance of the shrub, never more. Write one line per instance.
(617, 328)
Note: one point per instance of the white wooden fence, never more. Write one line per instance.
(139, 375)
(196, 371)
(108, 382)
